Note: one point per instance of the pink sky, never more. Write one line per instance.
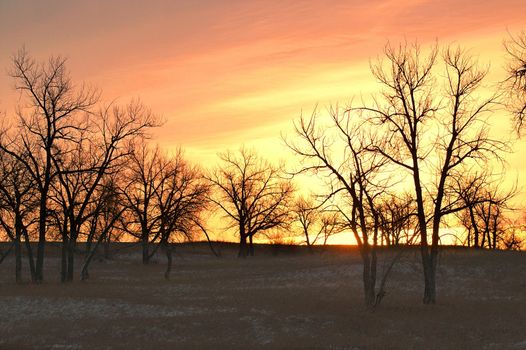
(224, 72)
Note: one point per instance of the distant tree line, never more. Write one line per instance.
(398, 170)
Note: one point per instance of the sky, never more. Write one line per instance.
(226, 73)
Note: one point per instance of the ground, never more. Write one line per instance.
(282, 298)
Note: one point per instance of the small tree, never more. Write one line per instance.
(485, 204)
(514, 238)
(181, 198)
(163, 196)
(396, 214)
(253, 195)
(317, 225)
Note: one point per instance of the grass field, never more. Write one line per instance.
(282, 298)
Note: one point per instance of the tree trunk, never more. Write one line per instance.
(475, 228)
(168, 251)
(84, 274)
(251, 246)
(18, 258)
(4, 255)
(64, 258)
(368, 285)
(494, 231)
(242, 247)
(39, 268)
(307, 240)
(107, 242)
(71, 258)
(88, 245)
(145, 255)
(29, 250)
(429, 277)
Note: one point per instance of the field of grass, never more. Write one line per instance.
(280, 299)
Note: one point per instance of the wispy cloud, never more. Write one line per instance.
(221, 70)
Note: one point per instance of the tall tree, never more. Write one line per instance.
(436, 130)
(97, 151)
(49, 118)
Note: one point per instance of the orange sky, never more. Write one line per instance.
(224, 73)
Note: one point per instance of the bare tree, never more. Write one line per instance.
(65, 147)
(164, 197)
(396, 214)
(80, 170)
(513, 238)
(48, 119)
(435, 130)
(17, 206)
(143, 178)
(486, 203)
(354, 181)
(515, 83)
(253, 195)
(181, 198)
(106, 204)
(317, 225)
(470, 190)
(491, 219)
(106, 212)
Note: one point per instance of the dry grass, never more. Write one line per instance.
(291, 300)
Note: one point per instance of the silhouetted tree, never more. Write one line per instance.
(106, 205)
(340, 151)
(432, 125)
(470, 190)
(164, 196)
(485, 203)
(97, 150)
(253, 195)
(48, 119)
(143, 177)
(107, 210)
(181, 197)
(317, 225)
(396, 218)
(17, 206)
(513, 237)
(515, 83)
